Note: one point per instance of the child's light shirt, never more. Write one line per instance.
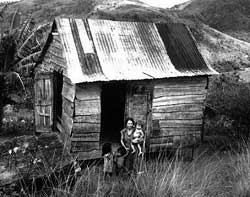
(138, 136)
(108, 162)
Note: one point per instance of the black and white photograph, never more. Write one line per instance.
(125, 98)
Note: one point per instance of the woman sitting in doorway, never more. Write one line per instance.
(126, 141)
(127, 137)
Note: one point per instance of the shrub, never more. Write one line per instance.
(17, 122)
(230, 97)
(85, 6)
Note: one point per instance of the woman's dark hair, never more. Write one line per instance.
(130, 119)
(121, 150)
(106, 148)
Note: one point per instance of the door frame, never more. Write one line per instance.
(148, 90)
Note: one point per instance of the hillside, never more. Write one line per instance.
(229, 16)
(222, 52)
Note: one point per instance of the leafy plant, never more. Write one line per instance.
(20, 48)
(3, 9)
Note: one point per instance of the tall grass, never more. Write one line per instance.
(222, 174)
(241, 164)
(217, 174)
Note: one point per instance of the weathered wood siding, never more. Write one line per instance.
(43, 102)
(54, 59)
(87, 121)
(68, 97)
(177, 111)
(139, 104)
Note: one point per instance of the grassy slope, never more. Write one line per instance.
(45, 11)
(221, 51)
(229, 16)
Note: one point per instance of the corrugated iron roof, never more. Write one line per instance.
(182, 49)
(104, 50)
(82, 63)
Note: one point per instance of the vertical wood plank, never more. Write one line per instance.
(43, 102)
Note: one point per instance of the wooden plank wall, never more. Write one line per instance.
(65, 122)
(177, 111)
(137, 103)
(54, 59)
(87, 121)
(43, 102)
(68, 97)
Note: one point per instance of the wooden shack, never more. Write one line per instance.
(93, 74)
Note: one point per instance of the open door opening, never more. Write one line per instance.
(57, 99)
(112, 111)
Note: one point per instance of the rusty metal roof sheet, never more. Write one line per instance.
(104, 50)
(82, 63)
(182, 49)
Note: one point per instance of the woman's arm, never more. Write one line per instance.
(144, 142)
(122, 142)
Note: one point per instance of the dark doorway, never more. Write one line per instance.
(112, 115)
(57, 99)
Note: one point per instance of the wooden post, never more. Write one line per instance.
(203, 117)
(1, 99)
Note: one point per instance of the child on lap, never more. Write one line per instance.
(138, 138)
